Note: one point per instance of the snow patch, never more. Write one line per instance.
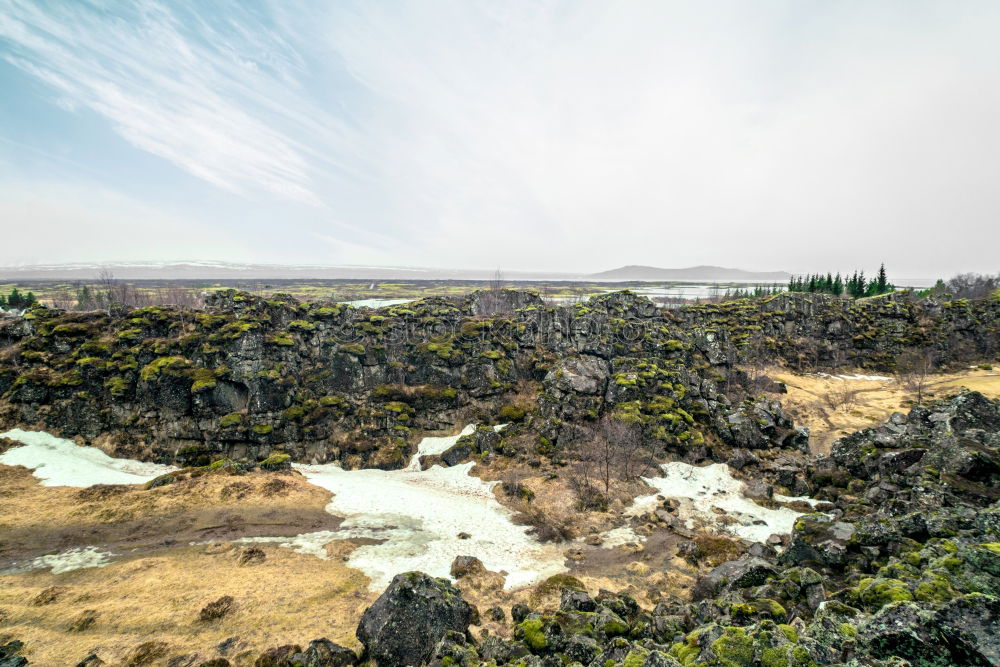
(375, 303)
(619, 537)
(870, 378)
(61, 462)
(65, 561)
(416, 516)
(439, 445)
(435, 446)
(703, 489)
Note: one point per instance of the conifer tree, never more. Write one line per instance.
(882, 283)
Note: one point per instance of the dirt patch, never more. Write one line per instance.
(123, 519)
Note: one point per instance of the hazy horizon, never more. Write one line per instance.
(570, 137)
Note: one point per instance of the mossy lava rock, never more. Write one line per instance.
(410, 618)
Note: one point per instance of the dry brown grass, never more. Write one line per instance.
(288, 598)
(833, 408)
(158, 584)
(37, 519)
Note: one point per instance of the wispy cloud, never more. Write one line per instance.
(556, 134)
(202, 94)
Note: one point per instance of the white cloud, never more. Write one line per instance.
(801, 135)
(172, 86)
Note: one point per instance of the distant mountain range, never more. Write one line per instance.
(707, 273)
(227, 271)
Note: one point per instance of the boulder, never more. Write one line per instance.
(965, 631)
(740, 573)
(466, 565)
(324, 653)
(405, 624)
(9, 654)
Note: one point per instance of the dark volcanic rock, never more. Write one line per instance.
(739, 573)
(407, 621)
(324, 653)
(966, 631)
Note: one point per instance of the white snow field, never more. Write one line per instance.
(700, 489)
(61, 462)
(65, 561)
(439, 445)
(417, 515)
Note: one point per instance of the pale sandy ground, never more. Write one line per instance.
(833, 408)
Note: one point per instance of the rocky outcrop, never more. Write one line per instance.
(416, 611)
(260, 379)
(9, 654)
(819, 331)
(250, 378)
(868, 581)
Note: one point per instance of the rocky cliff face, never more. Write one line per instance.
(249, 377)
(817, 331)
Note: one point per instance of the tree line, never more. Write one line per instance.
(17, 301)
(855, 286)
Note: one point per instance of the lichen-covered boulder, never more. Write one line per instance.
(324, 653)
(405, 624)
(740, 573)
(966, 631)
(818, 539)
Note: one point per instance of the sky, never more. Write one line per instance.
(800, 135)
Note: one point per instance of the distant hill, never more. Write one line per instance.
(225, 271)
(233, 271)
(709, 273)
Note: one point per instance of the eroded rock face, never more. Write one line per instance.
(405, 624)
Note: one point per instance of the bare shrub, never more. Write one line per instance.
(513, 487)
(494, 299)
(615, 450)
(972, 285)
(551, 525)
(842, 398)
(916, 367)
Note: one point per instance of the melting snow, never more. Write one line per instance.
(435, 446)
(619, 537)
(376, 303)
(65, 561)
(61, 462)
(417, 516)
(713, 486)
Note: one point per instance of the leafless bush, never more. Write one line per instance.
(550, 525)
(973, 285)
(916, 367)
(512, 485)
(614, 451)
(113, 295)
(496, 298)
(842, 398)
(748, 377)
